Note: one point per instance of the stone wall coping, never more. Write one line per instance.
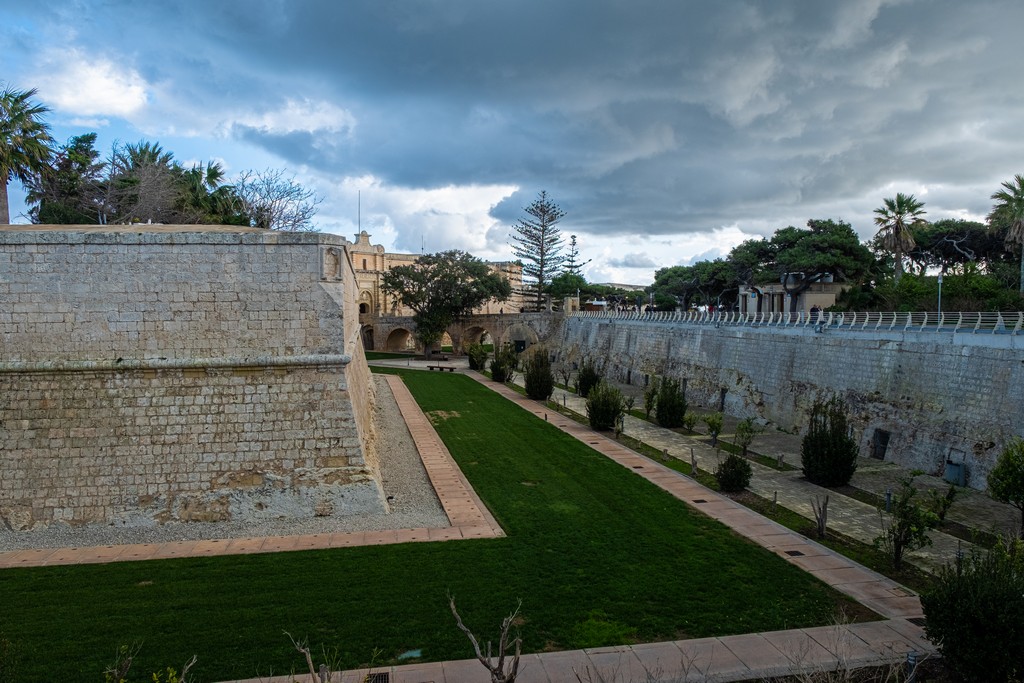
(145, 234)
(129, 364)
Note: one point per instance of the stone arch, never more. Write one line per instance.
(476, 334)
(400, 339)
(367, 335)
(521, 336)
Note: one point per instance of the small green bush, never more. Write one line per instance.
(605, 405)
(1006, 480)
(828, 451)
(714, 421)
(587, 378)
(477, 356)
(972, 613)
(503, 367)
(907, 526)
(733, 473)
(690, 422)
(746, 430)
(540, 381)
(671, 405)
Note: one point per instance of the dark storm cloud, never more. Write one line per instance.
(639, 118)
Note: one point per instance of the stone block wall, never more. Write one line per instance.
(192, 376)
(939, 397)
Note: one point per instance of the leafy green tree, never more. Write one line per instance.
(24, 142)
(895, 219)
(587, 378)
(567, 284)
(952, 245)
(1009, 209)
(1006, 479)
(537, 242)
(746, 430)
(441, 289)
(826, 247)
(69, 191)
(734, 473)
(907, 526)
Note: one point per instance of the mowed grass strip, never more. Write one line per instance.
(597, 555)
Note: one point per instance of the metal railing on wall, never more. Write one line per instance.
(1009, 322)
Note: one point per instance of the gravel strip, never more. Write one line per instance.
(410, 495)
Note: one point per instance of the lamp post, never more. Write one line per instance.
(940, 293)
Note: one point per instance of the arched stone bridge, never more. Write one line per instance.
(522, 330)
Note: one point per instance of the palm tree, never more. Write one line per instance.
(895, 218)
(24, 141)
(1009, 209)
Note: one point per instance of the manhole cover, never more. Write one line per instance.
(794, 553)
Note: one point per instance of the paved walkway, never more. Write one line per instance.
(846, 515)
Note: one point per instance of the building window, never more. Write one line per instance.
(364, 264)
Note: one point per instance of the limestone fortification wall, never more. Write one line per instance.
(939, 396)
(195, 376)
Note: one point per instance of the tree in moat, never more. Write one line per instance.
(441, 289)
(24, 142)
(537, 242)
(70, 190)
(895, 220)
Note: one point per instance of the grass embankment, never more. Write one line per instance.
(597, 555)
(387, 355)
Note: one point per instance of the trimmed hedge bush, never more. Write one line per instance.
(828, 451)
(540, 381)
(587, 378)
(477, 356)
(733, 473)
(973, 613)
(671, 405)
(605, 405)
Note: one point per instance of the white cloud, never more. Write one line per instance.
(301, 116)
(71, 81)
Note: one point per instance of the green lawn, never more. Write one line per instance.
(385, 355)
(597, 554)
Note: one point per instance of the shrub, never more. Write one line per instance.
(504, 364)
(972, 612)
(690, 422)
(650, 397)
(908, 525)
(733, 473)
(477, 356)
(605, 405)
(714, 422)
(1006, 480)
(828, 451)
(939, 503)
(587, 378)
(540, 381)
(746, 430)
(671, 405)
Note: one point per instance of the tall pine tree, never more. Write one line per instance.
(537, 242)
(572, 264)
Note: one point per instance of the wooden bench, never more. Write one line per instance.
(449, 368)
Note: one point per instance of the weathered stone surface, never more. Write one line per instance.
(200, 376)
(940, 396)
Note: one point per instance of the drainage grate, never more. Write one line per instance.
(917, 621)
(379, 677)
(638, 467)
(794, 553)
(699, 500)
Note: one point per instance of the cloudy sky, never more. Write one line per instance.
(668, 130)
